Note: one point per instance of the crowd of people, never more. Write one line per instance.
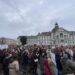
(38, 60)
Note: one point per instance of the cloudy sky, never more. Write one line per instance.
(28, 17)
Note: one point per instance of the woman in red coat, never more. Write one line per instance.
(47, 70)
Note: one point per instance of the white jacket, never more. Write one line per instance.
(14, 68)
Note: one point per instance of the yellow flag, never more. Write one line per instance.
(49, 61)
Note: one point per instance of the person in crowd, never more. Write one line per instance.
(74, 54)
(6, 62)
(35, 61)
(70, 53)
(53, 63)
(1, 56)
(58, 61)
(42, 55)
(13, 66)
(25, 61)
(38, 58)
(47, 70)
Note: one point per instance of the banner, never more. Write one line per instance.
(3, 46)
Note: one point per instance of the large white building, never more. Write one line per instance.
(57, 36)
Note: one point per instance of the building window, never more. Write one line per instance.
(57, 36)
(73, 42)
(61, 35)
(54, 42)
(62, 40)
(65, 36)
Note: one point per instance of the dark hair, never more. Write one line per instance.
(11, 60)
(15, 57)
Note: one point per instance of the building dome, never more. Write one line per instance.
(56, 27)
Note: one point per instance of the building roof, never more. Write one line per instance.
(44, 33)
(56, 27)
(72, 32)
(63, 29)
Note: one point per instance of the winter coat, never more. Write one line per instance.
(14, 68)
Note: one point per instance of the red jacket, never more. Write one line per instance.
(47, 70)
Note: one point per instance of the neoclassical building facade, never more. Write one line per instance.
(58, 36)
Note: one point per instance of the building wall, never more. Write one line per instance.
(8, 41)
(39, 40)
(11, 42)
(56, 38)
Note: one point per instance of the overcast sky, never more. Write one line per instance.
(28, 17)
